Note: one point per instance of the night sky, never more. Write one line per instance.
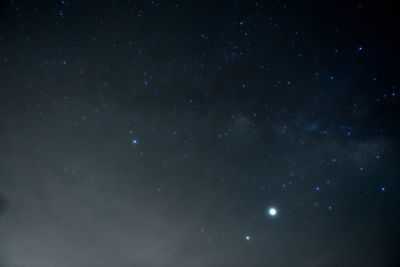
(199, 133)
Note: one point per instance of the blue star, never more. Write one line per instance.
(383, 189)
(134, 141)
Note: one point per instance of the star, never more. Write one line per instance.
(272, 211)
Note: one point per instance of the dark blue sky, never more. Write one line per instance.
(160, 133)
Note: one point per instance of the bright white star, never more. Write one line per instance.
(272, 211)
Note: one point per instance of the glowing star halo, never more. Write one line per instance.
(272, 211)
